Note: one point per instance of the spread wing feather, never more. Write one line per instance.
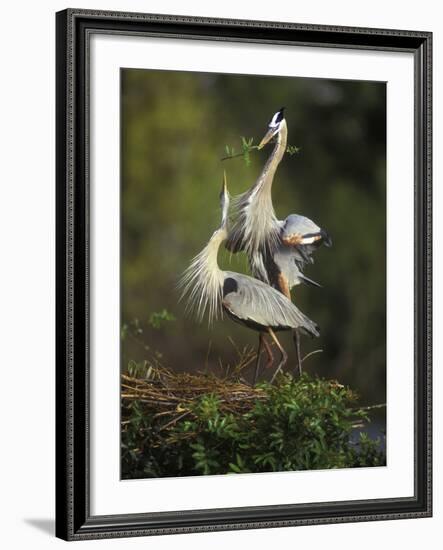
(258, 302)
(309, 231)
(299, 225)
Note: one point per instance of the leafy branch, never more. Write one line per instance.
(247, 146)
(158, 318)
(293, 150)
(180, 424)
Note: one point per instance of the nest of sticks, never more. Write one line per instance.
(169, 396)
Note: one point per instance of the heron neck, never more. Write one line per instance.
(213, 271)
(266, 178)
(261, 224)
(203, 280)
(274, 160)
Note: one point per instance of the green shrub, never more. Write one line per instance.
(297, 424)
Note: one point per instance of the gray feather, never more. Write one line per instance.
(257, 302)
(298, 225)
(309, 281)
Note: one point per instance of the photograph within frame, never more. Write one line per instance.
(172, 124)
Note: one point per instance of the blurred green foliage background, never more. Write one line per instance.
(175, 126)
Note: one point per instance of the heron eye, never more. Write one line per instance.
(273, 122)
(276, 119)
(279, 117)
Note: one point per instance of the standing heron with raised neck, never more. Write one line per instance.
(244, 299)
(277, 250)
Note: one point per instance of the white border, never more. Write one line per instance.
(108, 494)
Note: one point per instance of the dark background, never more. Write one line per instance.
(175, 126)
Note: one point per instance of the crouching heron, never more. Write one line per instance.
(244, 299)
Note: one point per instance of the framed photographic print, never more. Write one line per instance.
(243, 274)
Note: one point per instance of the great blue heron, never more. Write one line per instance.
(246, 300)
(277, 250)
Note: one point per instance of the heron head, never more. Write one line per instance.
(224, 200)
(274, 127)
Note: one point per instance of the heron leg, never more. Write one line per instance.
(263, 342)
(284, 355)
(283, 286)
(257, 362)
(296, 337)
(269, 353)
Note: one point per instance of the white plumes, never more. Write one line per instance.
(250, 299)
(255, 228)
(258, 268)
(202, 282)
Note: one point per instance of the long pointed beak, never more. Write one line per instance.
(269, 135)
(224, 200)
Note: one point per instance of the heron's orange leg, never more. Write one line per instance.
(257, 362)
(269, 353)
(284, 355)
(262, 342)
(283, 287)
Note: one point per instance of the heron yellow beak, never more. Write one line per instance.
(224, 190)
(225, 183)
(269, 135)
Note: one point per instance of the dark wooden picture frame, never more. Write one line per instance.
(73, 518)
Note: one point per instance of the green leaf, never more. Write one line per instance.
(158, 318)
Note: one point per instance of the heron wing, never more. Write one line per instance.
(252, 300)
(304, 236)
(299, 225)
